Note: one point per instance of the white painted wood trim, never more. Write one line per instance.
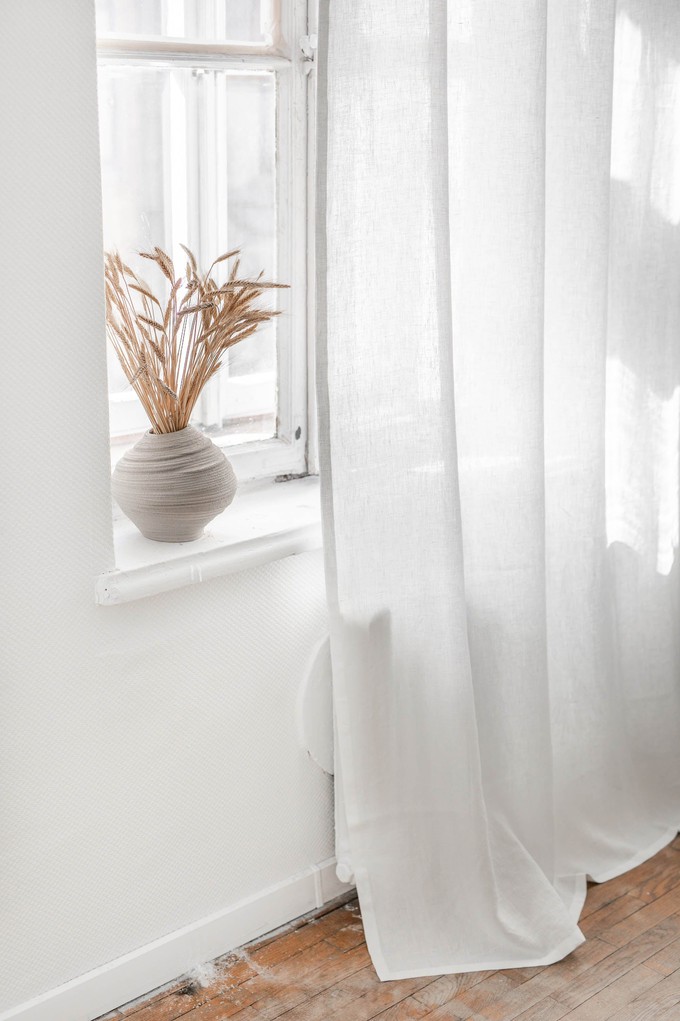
(117, 586)
(267, 521)
(121, 46)
(157, 963)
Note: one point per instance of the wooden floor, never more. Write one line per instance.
(628, 970)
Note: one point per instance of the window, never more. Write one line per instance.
(205, 107)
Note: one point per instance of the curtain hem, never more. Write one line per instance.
(387, 974)
(637, 859)
(557, 954)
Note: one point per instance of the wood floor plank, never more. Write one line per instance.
(318, 969)
(406, 1010)
(447, 987)
(278, 1001)
(168, 1008)
(286, 944)
(373, 1003)
(646, 918)
(614, 997)
(475, 999)
(334, 998)
(351, 936)
(345, 964)
(184, 996)
(278, 983)
(149, 1008)
(524, 974)
(660, 882)
(347, 914)
(600, 894)
(247, 1014)
(299, 965)
(286, 947)
(545, 1010)
(664, 996)
(609, 915)
(618, 963)
(585, 957)
(666, 960)
(650, 1012)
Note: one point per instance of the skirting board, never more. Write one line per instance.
(143, 970)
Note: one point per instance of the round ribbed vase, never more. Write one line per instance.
(172, 484)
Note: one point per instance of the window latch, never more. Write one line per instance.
(308, 46)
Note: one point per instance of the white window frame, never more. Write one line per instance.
(290, 53)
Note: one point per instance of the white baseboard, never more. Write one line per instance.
(143, 970)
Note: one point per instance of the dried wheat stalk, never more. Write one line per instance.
(169, 352)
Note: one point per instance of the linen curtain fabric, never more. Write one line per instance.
(499, 390)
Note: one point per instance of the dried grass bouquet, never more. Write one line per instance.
(169, 352)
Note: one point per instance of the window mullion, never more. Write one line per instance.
(293, 235)
(200, 80)
(212, 202)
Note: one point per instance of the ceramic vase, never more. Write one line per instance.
(172, 484)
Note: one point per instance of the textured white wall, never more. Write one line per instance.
(149, 768)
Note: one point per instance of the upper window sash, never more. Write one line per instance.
(281, 52)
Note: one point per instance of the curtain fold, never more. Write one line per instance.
(499, 380)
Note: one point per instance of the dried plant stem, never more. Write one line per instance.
(169, 353)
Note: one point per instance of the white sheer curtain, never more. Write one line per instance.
(499, 366)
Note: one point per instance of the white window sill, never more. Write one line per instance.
(267, 521)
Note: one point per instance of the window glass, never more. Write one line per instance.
(189, 156)
(206, 20)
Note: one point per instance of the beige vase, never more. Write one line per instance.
(172, 484)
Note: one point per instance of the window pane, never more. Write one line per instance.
(188, 155)
(205, 20)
